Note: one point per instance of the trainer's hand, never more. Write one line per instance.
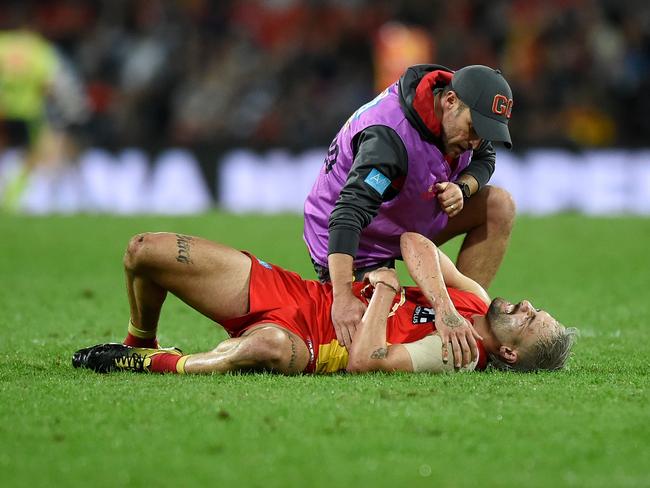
(450, 198)
(347, 311)
(458, 331)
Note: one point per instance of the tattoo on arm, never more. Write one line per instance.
(452, 321)
(183, 243)
(380, 353)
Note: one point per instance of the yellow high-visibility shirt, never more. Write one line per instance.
(28, 64)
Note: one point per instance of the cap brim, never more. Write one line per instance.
(491, 129)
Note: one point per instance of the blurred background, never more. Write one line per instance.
(130, 106)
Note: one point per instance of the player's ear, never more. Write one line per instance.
(508, 355)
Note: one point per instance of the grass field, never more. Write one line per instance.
(62, 288)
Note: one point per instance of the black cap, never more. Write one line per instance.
(487, 93)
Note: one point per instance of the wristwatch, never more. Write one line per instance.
(464, 188)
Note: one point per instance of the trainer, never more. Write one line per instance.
(416, 158)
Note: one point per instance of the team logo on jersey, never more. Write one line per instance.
(265, 264)
(423, 315)
(378, 181)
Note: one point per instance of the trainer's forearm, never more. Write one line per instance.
(341, 274)
(369, 348)
(423, 263)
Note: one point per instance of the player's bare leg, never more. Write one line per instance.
(211, 278)
(268, 347)
(487, 219)
(264, 347)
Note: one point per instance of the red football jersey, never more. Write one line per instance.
(304, 307)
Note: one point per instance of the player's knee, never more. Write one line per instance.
(501, 209)
(271, 346)
(136, 252)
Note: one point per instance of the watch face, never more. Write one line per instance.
(464, 187)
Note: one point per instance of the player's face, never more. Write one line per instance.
(458, 133)
(519, 325)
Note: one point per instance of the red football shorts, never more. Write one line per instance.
(284, 298)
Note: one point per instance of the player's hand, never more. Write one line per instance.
(384, 275)
(347, 311)
(462, 336)
(450, 198)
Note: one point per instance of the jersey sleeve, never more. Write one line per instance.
(378, 172)
(482, 165)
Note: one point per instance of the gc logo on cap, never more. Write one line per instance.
(489, 97)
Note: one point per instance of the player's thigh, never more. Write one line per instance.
(208, 276)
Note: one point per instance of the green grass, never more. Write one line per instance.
(61, 288)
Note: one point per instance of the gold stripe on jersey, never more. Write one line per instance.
(398, 303)
(367, 290)
(332, 357)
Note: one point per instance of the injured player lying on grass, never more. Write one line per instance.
(279, 322)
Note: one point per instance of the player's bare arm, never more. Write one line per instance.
(369, 351)
(455, 279)
(423, 262)
(347, 309)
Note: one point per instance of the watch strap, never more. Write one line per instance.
(464, 188)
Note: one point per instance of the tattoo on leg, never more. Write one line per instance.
(183, 244)
(380, 353)
(292, 361)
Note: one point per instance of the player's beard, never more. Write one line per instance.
(498, 317)
(496, 309)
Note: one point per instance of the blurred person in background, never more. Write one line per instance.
(41, 100)
(416, 158)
